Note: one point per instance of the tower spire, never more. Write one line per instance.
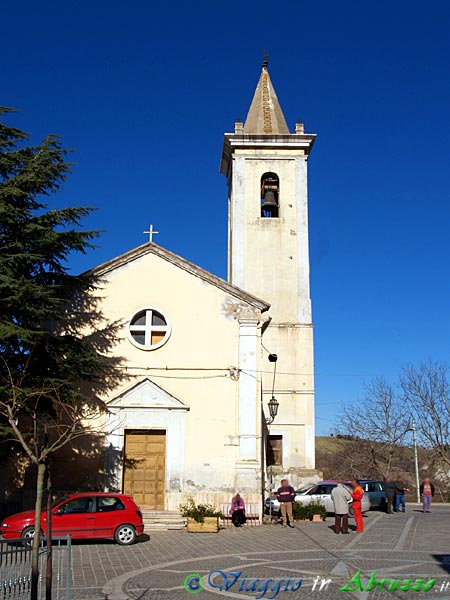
(265, 115)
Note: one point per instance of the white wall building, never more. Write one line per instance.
(188, 417)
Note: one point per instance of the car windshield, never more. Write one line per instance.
(303, 490)
(59, 500)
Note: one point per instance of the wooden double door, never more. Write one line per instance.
(145, 467)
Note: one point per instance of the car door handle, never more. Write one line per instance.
(90, 519)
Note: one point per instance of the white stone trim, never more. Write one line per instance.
(237, 223)
(303, 292)
(248, 390)
(169, 416)
(105, 271)
(310, 445)
(285, 442)
(166, 328)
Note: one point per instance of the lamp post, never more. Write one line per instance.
(273, 406)
(416, 461)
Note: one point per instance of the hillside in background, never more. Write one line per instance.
(341, 458)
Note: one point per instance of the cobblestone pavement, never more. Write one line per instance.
(404, 546)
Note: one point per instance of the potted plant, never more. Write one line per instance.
(317, 511)
(301, 512)
(200, 517)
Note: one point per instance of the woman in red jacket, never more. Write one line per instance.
(357, 496)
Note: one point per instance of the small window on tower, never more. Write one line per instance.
(270, 190)
(274, 450)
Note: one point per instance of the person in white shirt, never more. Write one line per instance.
(341, 498)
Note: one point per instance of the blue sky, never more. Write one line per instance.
(144, 92)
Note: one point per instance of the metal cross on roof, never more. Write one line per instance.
(151, 232)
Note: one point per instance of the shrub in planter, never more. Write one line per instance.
(301, 512)
(316, 508)
(198, 512)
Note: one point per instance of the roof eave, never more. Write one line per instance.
(152, 248)
(291, 141)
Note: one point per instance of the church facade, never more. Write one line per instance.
(190, 417)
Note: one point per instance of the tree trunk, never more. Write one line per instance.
(48, 536)
(37, 530)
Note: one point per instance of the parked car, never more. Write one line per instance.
(376, 493)
(320, 492)
(83, 516)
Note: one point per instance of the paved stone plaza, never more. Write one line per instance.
(411, 545)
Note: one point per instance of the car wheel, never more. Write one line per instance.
(350, 511)
(27, 536)
(125, 535)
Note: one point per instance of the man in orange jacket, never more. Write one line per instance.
(357, 496)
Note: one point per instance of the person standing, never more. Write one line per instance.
(389, 490)
(237, 511)
(285, 496)
(400, 490)
(427, 493)
(357, 496)
(341, 497)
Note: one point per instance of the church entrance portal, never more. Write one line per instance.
(144, 467)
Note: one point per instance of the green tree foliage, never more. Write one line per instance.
(39, 298)
(54, 343)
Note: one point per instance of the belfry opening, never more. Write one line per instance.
(270, 191)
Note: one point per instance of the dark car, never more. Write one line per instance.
(376, 493)
(83, 516)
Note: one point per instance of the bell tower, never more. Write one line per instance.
(268, 255)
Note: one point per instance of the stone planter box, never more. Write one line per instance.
(209, 525)
(317, 518)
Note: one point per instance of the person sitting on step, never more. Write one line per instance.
(237, 511)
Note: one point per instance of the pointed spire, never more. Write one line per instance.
(265, 115)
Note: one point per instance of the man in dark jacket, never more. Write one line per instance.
(400, 491)
(285, 496)
(389, 489)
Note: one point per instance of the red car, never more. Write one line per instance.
(83, 516)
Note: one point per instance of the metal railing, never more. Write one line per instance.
(15, 569)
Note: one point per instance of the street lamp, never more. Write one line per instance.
(273, 402)
(416, 462)
(273, 405)
(413, 428)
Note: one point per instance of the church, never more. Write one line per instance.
(218, 387)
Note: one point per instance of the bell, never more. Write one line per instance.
(269, 201)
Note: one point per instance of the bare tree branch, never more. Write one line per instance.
(426, 390)
(378, 425)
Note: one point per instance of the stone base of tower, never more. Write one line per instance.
(297, 477)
